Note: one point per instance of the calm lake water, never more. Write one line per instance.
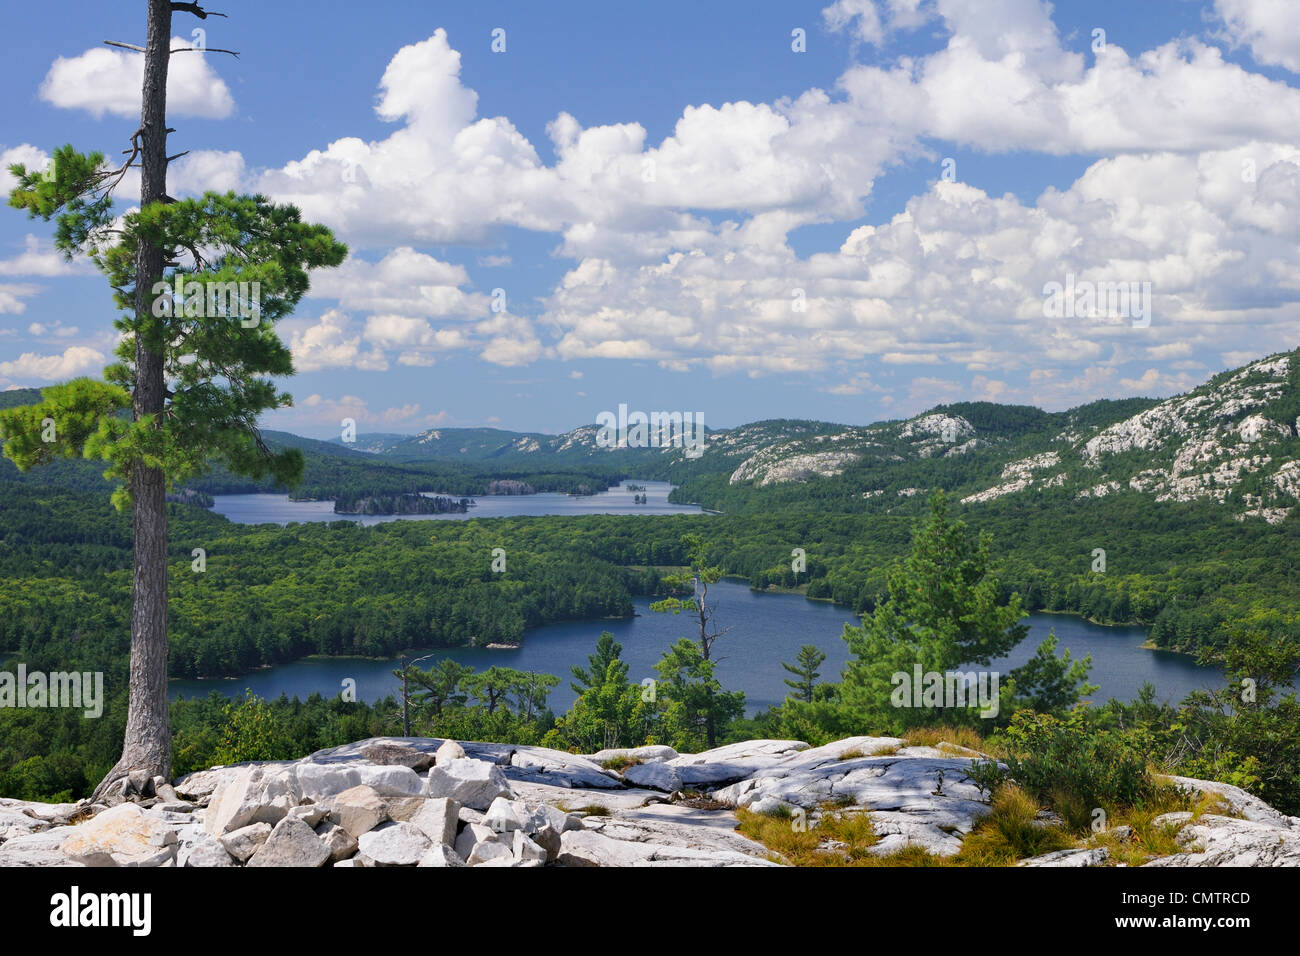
(767, 629)
(278, 509)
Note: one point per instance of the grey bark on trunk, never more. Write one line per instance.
(148, 741)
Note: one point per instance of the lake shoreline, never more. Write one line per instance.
(254, 508)
(768, 629)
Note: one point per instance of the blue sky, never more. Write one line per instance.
(684, 213)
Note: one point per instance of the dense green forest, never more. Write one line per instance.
(55, 754)
(269, 594)
(1200, 578)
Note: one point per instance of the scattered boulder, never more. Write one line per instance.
(392, 781)
(122, 836)
(140, 783)
(320, 781)
(165, 792)
(402, 809)
(310, 813)
(501, 816)
(526, 852)
(489, 851)
(262, 793)
(440, 855)
(364, 804)
(472, 836)
(358, 810)
(244, 842)
(469, 815)
(472, 783)
(438, 818)
(449, 751)
(395, 844)
(337, 840)
(209, 852)
(200, 785)
(387, 755)
(291, 843)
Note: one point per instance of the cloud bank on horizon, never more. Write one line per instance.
(678, 252)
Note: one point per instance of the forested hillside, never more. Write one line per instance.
(1193, 570)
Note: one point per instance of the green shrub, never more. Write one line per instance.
(1070, 766)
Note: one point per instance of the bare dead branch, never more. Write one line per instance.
(195, 9)
(179, 49)
(203, 49)
(177, 156)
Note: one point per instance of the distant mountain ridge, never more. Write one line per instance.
(1234, 441)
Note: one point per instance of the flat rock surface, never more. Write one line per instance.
(36, 849)
(914, 798)
(1214, 840)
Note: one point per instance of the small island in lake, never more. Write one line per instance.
(410, 504)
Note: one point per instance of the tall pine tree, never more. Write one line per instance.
(201, 284)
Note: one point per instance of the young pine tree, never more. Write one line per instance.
(944, 609)
(810, 658)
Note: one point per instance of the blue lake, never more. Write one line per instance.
(278, 509)
(767, 629)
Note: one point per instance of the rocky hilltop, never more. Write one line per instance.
(1232, 441)
(428, 802)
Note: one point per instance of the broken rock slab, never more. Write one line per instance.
(395, 844)
(256, 793)
(208, 852)
(394, 754)
(291, 843)
(122, 836)
(471, 783)
(358, 810)
(438, 818)
(244, 842)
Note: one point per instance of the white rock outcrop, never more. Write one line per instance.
(530, 806)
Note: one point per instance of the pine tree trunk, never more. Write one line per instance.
(148, 743)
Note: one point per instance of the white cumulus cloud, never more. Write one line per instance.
(104, 80)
